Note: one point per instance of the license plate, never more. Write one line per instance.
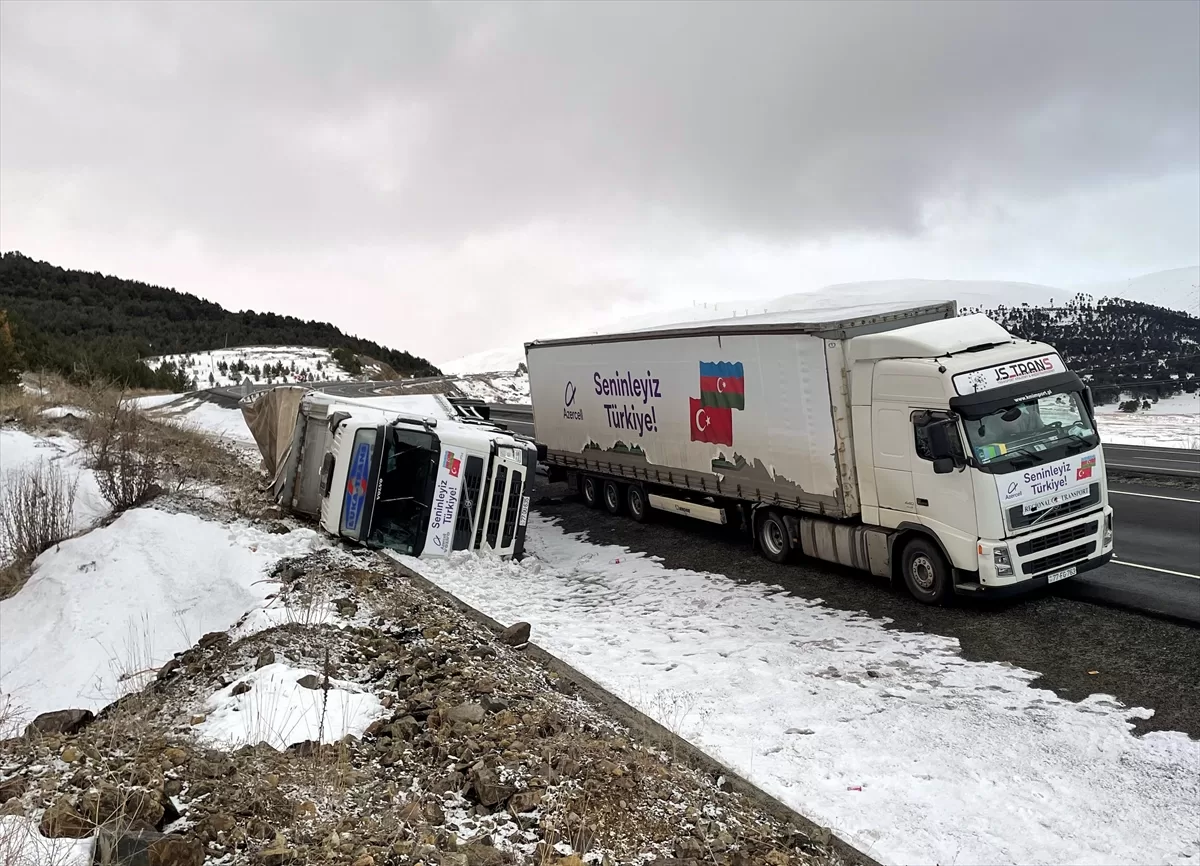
(1062, 575)
(524, 518)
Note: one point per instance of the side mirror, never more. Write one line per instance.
(943, 465)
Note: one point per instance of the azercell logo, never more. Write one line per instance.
(569, 394)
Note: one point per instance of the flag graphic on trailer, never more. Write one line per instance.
(722, 385)
(711, 423)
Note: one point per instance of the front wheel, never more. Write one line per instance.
(773, 537)
(589, 489)
(926, 572)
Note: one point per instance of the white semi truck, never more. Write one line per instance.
(920, 446)
(416, 474)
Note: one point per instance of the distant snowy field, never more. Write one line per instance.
(1170, 423)
(301, 363)
(890, 737)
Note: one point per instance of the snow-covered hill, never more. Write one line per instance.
(1175, 289)
(259, 364)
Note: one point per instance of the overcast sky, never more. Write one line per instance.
(449, 177)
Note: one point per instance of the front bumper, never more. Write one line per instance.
(1079, 543)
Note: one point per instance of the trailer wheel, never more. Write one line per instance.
(773, 537)
(589, 488)
(926, 572)
(636, 502)
(613, 500)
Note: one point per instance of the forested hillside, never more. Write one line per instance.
(89, 325)
(1116, 345)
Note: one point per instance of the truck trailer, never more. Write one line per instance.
(420, 475)
(936, 450)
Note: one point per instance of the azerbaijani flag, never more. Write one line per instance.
(722, 385)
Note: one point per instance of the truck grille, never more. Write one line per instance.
(1054, 560)
(1057, 539)
(472, 485)
(497, 509)
(513, 512)
(1017, 518)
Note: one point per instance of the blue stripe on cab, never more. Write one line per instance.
(722, 369)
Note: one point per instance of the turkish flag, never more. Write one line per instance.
(711, 424)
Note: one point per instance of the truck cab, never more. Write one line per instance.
(980, 451)
(416, 475)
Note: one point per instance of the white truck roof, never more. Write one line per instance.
(929, 339)
(832, 323)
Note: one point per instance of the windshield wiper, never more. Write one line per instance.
(1024, 449)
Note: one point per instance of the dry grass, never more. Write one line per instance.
(36, 505)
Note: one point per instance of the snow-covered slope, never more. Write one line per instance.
(1175, 289)
(223, 367)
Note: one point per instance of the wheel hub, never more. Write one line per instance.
(922, 572)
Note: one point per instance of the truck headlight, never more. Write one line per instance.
(507, 452)
(1003, 563)
(1108, 530)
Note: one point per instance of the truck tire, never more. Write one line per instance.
(773, 538)
(636, 503)
(614, 497)
(926, 572)
(589, 489)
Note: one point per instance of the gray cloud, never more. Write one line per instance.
(309, 122)
(627, 134)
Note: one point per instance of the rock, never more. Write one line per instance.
(271, 512)
(277, 855)
(212, 639)
(569, 860)
(483, 855)
(516, 634)
(266, 657)
(109, 803)
(367, 860)
(434, 814)
(309, 681)
(11, 789)
(468, 712)
(168, 670)
(524, 801)
(176, 757)
(70, 755)
(277, 528)
(489, 790)
(241, 688)
(143, 846)
(62, 821)
(60, 722)
(454, 859)
(198, 720)
(411, 813)
(483, 686)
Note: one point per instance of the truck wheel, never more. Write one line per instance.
(926, 572)
(589, 488)
(635, 501)
(773, 537)
(613, 500)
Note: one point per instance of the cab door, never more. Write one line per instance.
(945, 502)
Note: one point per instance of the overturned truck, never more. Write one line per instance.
(420, 474)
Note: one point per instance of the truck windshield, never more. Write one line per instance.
(1034, 430)
(405, 491)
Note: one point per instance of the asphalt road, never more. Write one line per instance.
(1153, 461)
(1143, 661)
(1156, 566)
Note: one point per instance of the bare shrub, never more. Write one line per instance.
(128, 462)
(36, 505)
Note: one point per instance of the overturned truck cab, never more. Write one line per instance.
(419, 475)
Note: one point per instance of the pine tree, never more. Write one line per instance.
(10, 359)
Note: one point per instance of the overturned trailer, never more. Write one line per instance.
(418, 474)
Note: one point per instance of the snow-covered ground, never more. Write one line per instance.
(22, 844)
(1170, 423)
(20, 450)
(512, 388)
(194, 413)
(101, 610)
(890, 737)
(301, 363)
(278, 710)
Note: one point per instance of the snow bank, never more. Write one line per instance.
(495, 389)
(21, 450)
(201, 415)
(103, 609)
(891, 737)
(279, 711)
